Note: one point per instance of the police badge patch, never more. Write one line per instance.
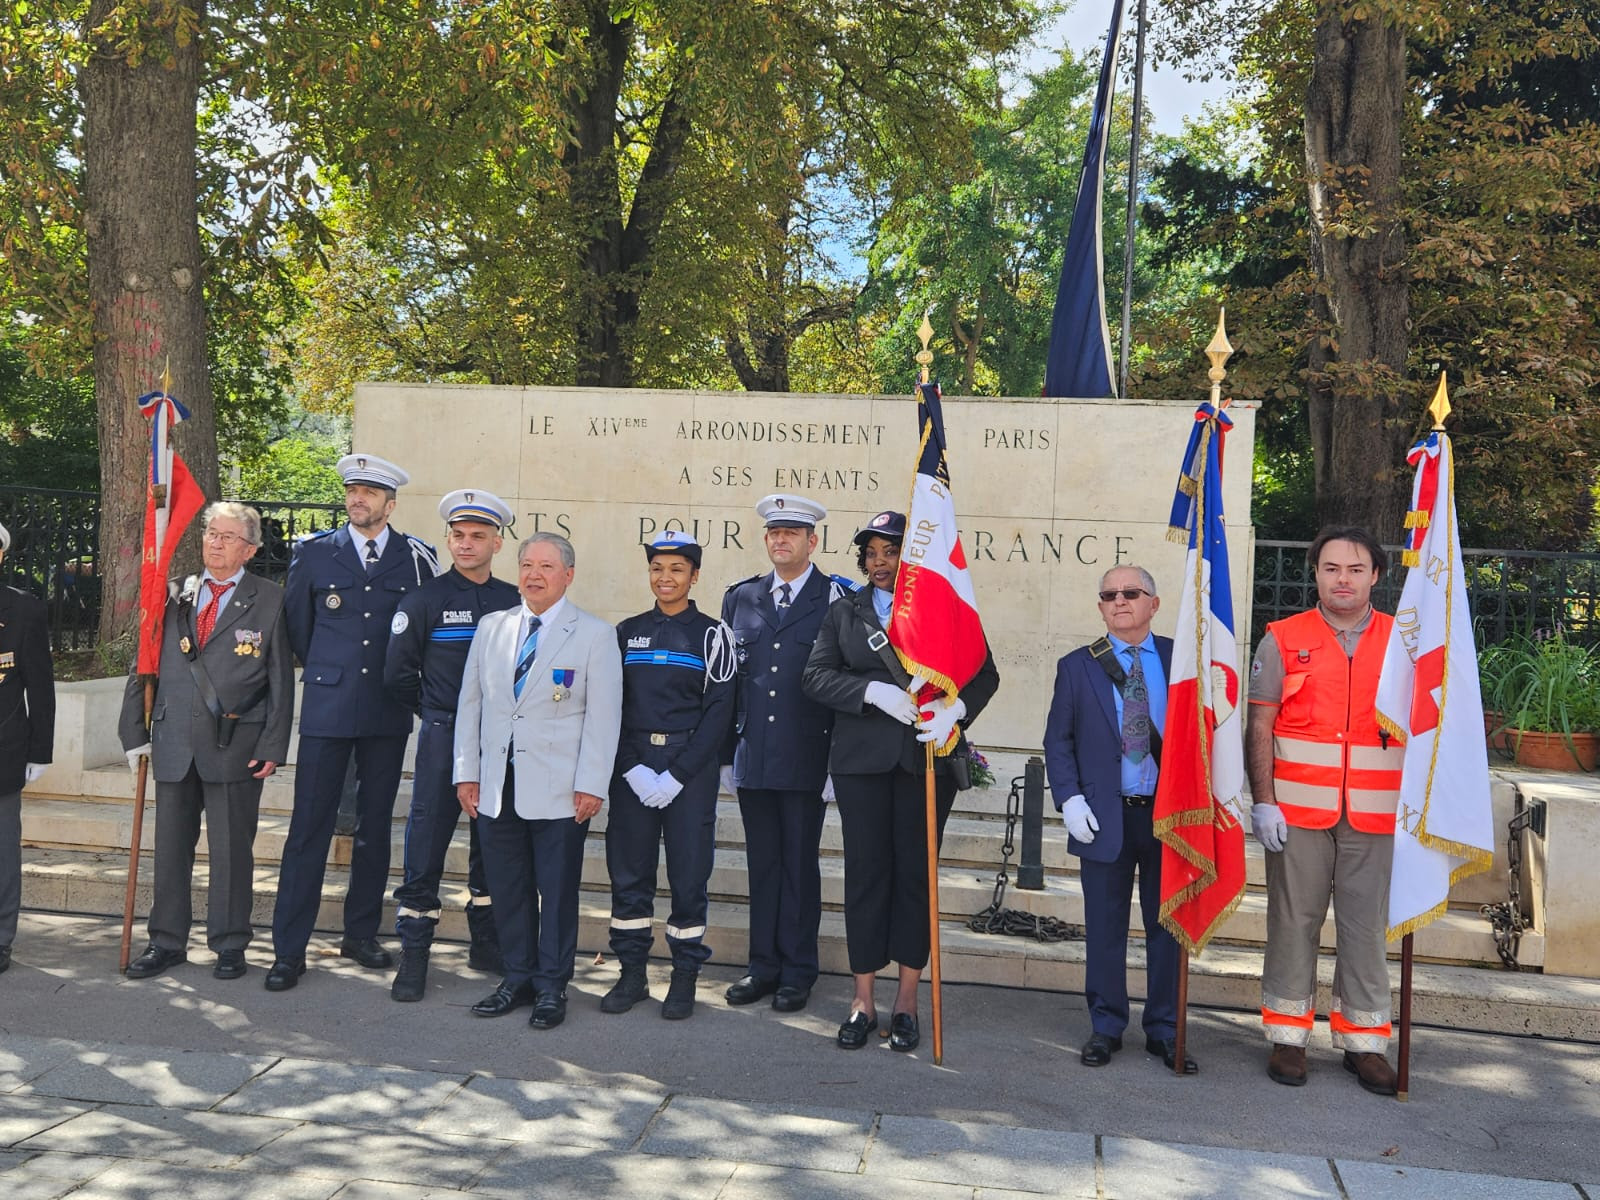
(399, 624)
(333, 600)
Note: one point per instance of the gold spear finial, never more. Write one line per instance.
(1219, 351)
(925, 335)
(1440, 408)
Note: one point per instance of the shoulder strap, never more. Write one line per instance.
(1103, 653)
(878, 641)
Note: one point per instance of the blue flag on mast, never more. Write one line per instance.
(1078, 362)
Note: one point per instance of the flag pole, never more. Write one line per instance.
(931, 804)
(136, 837)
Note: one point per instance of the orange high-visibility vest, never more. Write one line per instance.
(1328, 753)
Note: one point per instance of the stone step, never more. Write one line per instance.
(1224, 976)
(1461, 935)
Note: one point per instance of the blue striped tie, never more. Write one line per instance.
(530, 647)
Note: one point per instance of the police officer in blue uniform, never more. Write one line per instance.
(677, 707)
(779, 755)
(343, 590)
(428, 643)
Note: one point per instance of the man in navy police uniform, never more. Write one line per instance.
(342, 593)
(778, 756)
(428, 643)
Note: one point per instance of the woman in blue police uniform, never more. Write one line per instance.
(428, 643)
(339, 602)
(677, 704)
(877, 767)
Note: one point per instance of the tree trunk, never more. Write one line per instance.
(145, 276)
(1357, 390)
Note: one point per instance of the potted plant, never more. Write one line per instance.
(1544, 696)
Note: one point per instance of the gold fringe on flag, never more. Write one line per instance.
(1410, 558)
(1417, 518)
(1188, 484)
(1177, 533)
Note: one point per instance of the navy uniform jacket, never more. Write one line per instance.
(677, 678)
(27, 687)
(339, 616)
(430, 635)
(782, 736)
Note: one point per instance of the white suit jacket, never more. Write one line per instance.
(560, 746)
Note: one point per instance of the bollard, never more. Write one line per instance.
(1030, 869)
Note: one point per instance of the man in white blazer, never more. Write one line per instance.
(536, 739)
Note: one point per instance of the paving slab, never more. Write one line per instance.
(367, 1189)
(147, 1180)
(23, 1116)
(992, 1156)
(176, 1079)
(820, 1139)
(552, 1113)
(305, 1089)
(1139, 1170)
(1382, 1181)
(177, 1136)
(754, 1181)
(527, 1171)
(26, 1175)
(23, 1059)
(385, 1156)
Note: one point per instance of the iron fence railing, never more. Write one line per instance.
(55, 543)
(1508, 591)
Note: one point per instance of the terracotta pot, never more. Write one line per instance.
(1532, 749)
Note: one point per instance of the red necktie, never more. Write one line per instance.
(207, 620)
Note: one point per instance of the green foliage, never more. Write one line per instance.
(1545, 685)
(47, 427)
(295, 468)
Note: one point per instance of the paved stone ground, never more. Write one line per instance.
(185, 1085)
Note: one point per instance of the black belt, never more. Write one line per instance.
(674, 738)
(1138, 801)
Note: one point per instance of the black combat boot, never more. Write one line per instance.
(484, 953)
(679, 1004)
(630, 988)
(411, 979)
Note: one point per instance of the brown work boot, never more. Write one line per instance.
(1372, 1071)
(1287, 1065)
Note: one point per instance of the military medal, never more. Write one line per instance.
(562, 677)
(333, 600)
(249, 642)
(185, 644)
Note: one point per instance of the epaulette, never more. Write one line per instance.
(841, 585)
(303, 538)
(741, 582)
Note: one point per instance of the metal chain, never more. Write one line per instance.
(1506, 919)
(1010, 921)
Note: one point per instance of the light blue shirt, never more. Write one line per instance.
(1139, 778)
(882, 604)
(203, 597)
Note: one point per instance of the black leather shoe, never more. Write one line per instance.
(903, 1032)
(230, 965)
(505, 998)
(854, 1032)
(750, 989)
(5, 958)
(369, 952)
(790, 999)
(155, 960)
(1097, 1051)
(285, 973)
(1167, 1048)
(549, 1010)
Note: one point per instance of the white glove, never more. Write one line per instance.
(32, 771)
(827, 790)
(1078, 817)
(892, 701)
(729, 784)
(667, 789)
(939, 720)
(641, 779)
(135, 755)
(1267, 823)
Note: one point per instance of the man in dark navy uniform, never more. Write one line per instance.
(428, 643)
(779, 755)
(343, 590)
(27, 732)
(677, 708)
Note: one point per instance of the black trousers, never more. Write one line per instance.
(430, 826)
(886, 865)
(231, 812)
(782, 835)
(318, 782)
(533, 868)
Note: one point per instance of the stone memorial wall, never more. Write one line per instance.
(1051, 494)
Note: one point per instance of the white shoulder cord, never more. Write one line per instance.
(721, 660)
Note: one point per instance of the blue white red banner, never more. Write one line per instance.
(171, 502)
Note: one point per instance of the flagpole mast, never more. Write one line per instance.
(924, 359)
(1133, 209)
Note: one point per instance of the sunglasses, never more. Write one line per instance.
(1125, 593)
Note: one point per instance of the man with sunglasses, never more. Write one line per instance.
(1102, 749)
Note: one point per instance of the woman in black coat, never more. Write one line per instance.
(877, 763)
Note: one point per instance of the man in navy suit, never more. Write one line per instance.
(1102, 749)
(339, 604)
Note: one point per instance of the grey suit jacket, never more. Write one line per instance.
(182, 730)
(561, 746)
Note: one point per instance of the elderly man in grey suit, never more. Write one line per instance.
(536, 738)
(219, 726)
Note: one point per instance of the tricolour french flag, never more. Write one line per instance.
(171, 502)
(935, 627)
(1198, 793)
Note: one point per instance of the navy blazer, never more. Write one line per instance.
(338, 616)
(1083, 746)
